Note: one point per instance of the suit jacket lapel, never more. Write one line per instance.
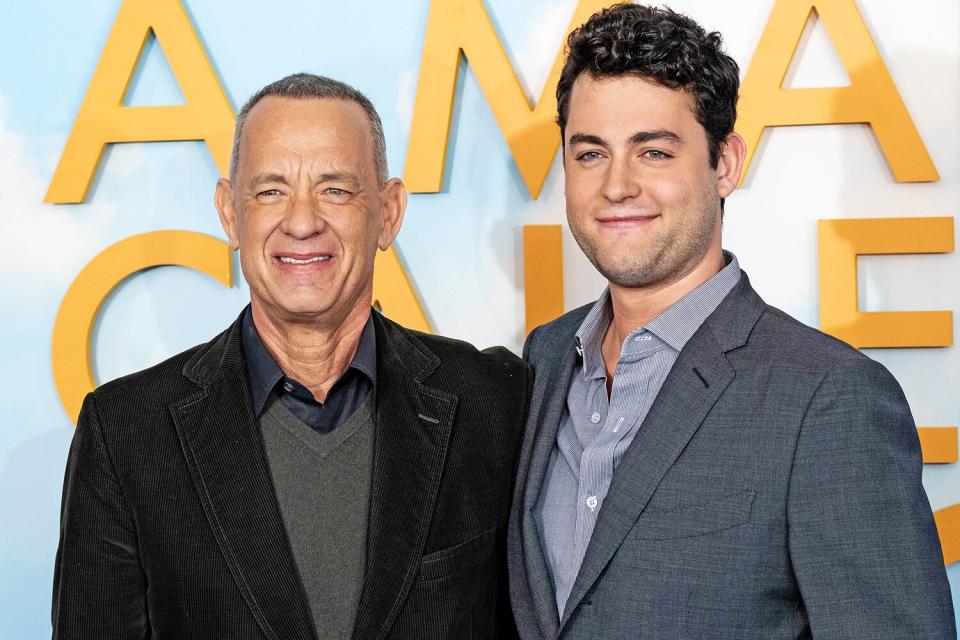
(696, 381)
(221, 441)
(547, 408)
(413, 423)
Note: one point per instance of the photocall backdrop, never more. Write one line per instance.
(112, 257)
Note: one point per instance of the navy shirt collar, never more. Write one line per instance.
(265, 373)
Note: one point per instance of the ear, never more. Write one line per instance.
(223, 199)
(394, 205)
(730, 164)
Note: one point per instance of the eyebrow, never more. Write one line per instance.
(586, 138)
(336, 176)
(638, 138)
(664, 135)
(268, 177)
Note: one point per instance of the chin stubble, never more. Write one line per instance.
(661, 261)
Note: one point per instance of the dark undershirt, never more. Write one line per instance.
(348, 392)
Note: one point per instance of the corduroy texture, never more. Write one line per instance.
(170, 525)
(773, 491)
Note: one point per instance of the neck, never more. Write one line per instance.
(636, 306)
(312, 353)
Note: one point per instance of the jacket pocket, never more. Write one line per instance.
(459, 557)
(701, 519)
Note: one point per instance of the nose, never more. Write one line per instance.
(303, 218)
(621, 181)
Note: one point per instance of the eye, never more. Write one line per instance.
(656, 154)
(588, 156)
(336, 192)
(268, 193)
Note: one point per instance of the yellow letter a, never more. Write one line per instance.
(463, 25)
(102, 119)
(871, 97)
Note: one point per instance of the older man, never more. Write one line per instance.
(316, 470)
(699, 464)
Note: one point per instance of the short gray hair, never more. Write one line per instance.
(304, 86)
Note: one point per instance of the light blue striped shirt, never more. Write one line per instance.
(595, 430)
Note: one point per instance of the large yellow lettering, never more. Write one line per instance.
(938, 445)
(948, 526)
(840, 242)
(456, 26)
(72, 364)
(871, 97)
(393, 293)
(542, 273)
(102, 119)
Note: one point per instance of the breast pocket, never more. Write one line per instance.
(700, 519)
(459, 557)
(453, 597)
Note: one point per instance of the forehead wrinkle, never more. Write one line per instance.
(283, 169)
(338, 165)
(341, 152)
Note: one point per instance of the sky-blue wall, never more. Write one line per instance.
(461, 246)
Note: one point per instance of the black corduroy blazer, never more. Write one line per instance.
(170, 525)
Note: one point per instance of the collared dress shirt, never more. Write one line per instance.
(596, 430)
(348, 392)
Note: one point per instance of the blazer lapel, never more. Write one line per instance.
(221, 441)
(413, 423)
(696, 381)
(545, 420)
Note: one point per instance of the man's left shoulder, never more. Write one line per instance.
(493, 364)
(780, 338)
(492, 385)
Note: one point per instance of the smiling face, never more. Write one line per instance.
(643, 201)
(307, 210)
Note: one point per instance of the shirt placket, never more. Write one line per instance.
(618, 417)
(587, 499)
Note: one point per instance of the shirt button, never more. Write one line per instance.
(592, 502)
(288, 387)
(595, 418)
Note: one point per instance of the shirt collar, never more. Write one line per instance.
(590, 335)
(680, 321)
(675, 326)
(265, 373)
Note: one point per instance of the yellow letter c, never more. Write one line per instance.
(72, 365)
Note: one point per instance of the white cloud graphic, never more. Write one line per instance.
(44, 243)
(535, 55)
(406, 97)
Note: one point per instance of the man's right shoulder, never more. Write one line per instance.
(153, 387)
(556, 334)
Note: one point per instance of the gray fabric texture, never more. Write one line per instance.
(596, 431)
(323, 489)
(772, 491)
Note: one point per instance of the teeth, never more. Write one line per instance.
(286, 260)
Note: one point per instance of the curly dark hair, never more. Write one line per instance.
(662, 46)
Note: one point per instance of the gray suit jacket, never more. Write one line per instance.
(773, 491)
